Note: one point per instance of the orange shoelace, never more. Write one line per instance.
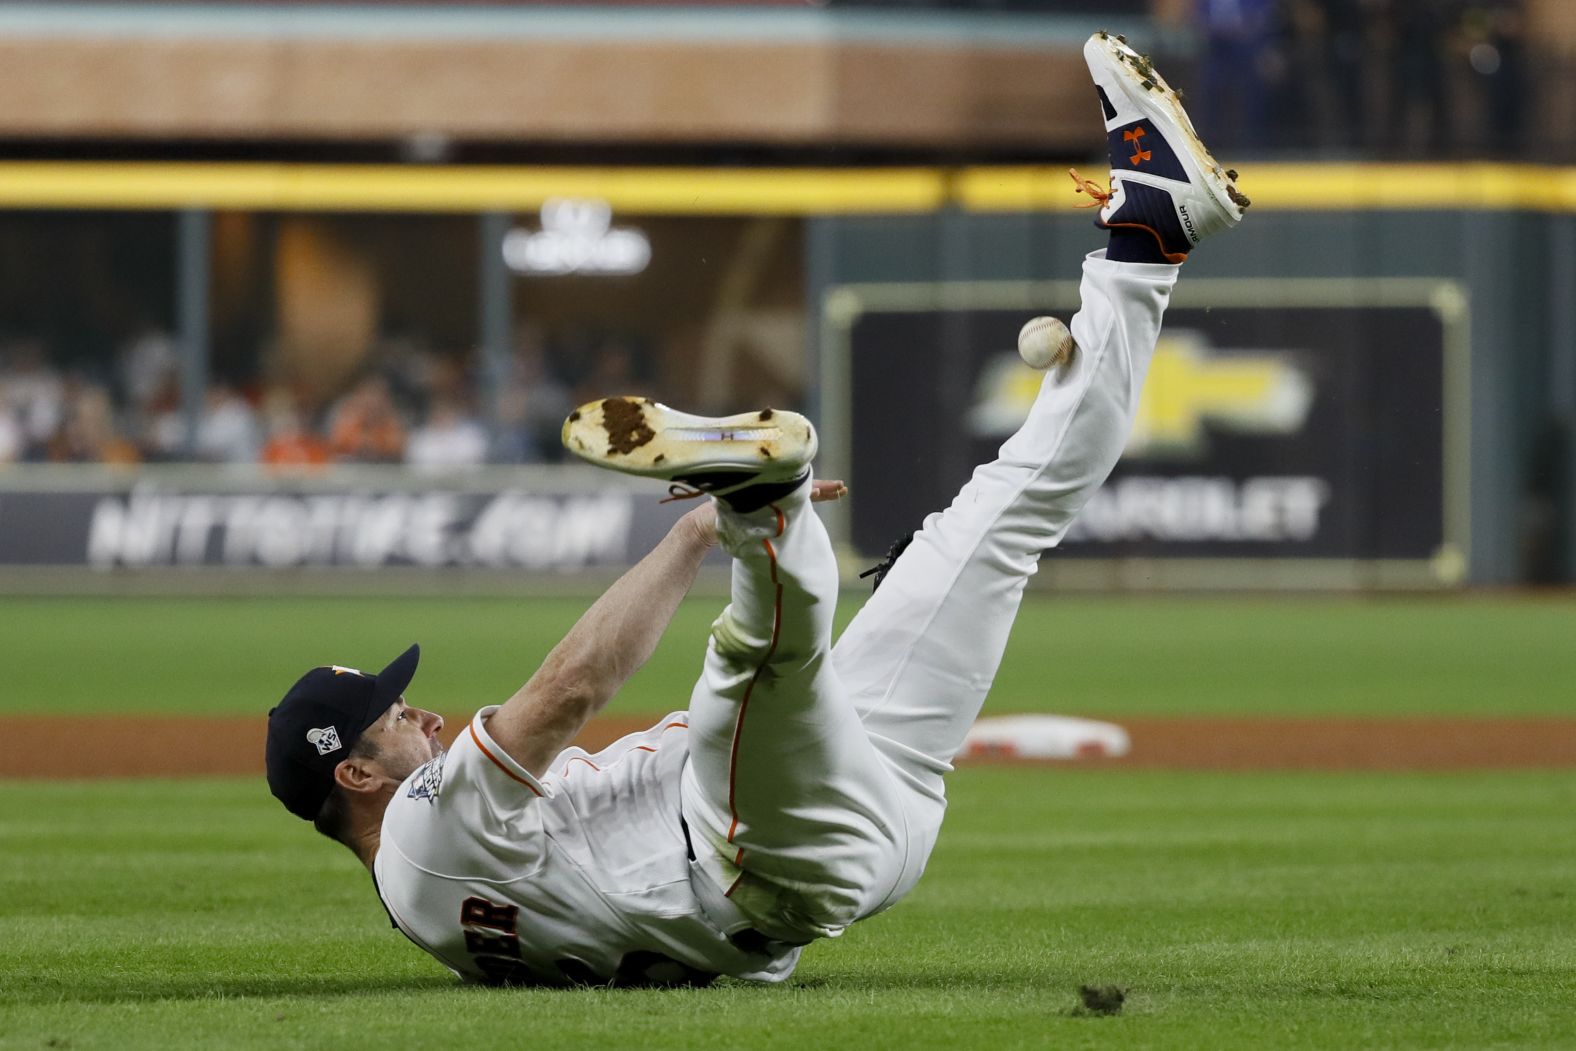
(1090, 187)
(677, 491)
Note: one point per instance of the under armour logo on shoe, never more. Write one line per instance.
(326, 740)
(1140, 155)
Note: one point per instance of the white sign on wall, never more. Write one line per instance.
(577, 237)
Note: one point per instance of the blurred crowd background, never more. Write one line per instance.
(89, 371)
(1397, 79)
(416, 406)
(1404, 79)
(353, 339)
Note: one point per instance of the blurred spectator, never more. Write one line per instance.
(147, 366)
(1347, 51)
(365, 426)
(612, 371)
(12, 441)
(161, 432)
(531, 405)
(1237, 39)
(148, 377)
(1414, 79)
(290, 443)
(1495, 38)
(449, 438)
(227, 432)
(514, 440)
(1419, 106)
(412, 370)
(1324, 62)
(87, 433)
(35, 394)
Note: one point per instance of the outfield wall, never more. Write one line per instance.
(1371, 384)
(523, 520)
(1451, 312)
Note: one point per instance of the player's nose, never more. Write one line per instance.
(431, 722)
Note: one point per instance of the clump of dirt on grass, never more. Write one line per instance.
(1100, 1000)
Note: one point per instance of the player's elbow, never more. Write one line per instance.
(577, 686)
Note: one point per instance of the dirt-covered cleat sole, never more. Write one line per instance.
(716, 454)
(1163, 178)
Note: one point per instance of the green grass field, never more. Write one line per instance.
(1136, 656)
(1238, 910)
(1272, 911)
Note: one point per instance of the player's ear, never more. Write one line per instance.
(357, 775)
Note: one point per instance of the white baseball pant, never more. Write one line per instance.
(814, 789)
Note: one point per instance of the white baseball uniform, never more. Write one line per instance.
(803, 789)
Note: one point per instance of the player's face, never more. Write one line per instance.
(405, 737)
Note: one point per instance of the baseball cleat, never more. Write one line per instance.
(1163, 179)
(736, 458)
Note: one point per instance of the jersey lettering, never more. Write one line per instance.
(479, 912)
(479, 944)
(495, 949)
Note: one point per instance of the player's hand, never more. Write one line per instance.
(825, 491)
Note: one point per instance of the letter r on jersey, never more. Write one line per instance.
(479, 912)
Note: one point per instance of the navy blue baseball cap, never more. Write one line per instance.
(318, 722)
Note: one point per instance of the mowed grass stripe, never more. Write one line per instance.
(1239, 911)
(1075, 655)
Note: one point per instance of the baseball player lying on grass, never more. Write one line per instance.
(802, 789)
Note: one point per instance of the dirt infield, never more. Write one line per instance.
(165, 746)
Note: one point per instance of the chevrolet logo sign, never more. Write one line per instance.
(1190, 385)
(1251, 393)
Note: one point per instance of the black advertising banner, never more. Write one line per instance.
(187, 523)
(1265, 431)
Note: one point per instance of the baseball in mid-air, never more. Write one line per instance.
(1044, 342)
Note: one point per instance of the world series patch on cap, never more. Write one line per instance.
(320, 720)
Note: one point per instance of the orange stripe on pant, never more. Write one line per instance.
(744, 702)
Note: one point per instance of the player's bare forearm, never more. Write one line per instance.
(606, 646)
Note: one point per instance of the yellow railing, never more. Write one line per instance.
(741, 191)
